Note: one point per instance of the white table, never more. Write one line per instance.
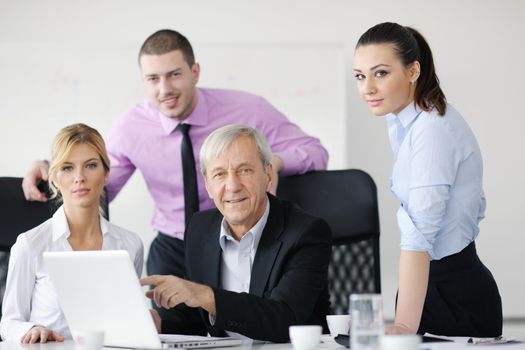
(327, 344)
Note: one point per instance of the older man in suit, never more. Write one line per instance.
(256, 264)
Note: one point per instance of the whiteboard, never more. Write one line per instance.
(304, 81)
(47, 86)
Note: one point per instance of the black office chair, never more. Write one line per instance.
(347, 200)
(18, 215)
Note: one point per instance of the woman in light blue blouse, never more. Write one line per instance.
(443, 286)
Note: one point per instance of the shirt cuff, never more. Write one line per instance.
(212, 319)
(17, 330)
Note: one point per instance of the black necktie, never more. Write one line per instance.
(189, 175)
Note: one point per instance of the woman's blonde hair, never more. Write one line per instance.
(63, 143)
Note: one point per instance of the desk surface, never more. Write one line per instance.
(327, 344)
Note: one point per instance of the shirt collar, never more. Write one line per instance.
(255, 232)
(407, 115)
(399, 124)
(61, 228)
(199, 116)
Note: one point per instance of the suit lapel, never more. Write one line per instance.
(210, 266)
(268, 248)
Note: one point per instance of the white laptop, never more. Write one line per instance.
(99, 290)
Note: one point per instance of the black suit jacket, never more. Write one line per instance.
(288, 283)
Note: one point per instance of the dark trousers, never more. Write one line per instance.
(166, 257)
(462, 298)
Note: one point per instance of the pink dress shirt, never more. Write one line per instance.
(144, 138)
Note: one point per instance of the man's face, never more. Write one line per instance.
(170, 83)
(237, 182)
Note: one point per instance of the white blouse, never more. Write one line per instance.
(30, 299)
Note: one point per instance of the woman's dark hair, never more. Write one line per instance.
(411, 46)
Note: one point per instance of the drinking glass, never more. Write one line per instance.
(368, 326)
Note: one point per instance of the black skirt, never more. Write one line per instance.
(462, 298)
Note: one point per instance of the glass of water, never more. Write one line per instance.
(367, 321)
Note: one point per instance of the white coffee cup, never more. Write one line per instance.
(338, 324)
(400, 342)
(305, 337)
(88, 340)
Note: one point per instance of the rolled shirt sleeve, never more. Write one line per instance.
(421, 220)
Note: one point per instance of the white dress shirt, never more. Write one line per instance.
(30, 299)
(437, 177)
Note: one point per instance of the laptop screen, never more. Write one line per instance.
(99, 290)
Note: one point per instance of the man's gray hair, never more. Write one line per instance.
(219, 140)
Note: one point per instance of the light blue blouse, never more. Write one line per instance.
(437, 176)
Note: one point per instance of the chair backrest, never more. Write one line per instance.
(347, 200)
(18, 215)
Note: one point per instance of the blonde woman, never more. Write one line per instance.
(79, 167)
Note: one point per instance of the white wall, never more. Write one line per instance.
(478, 48)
